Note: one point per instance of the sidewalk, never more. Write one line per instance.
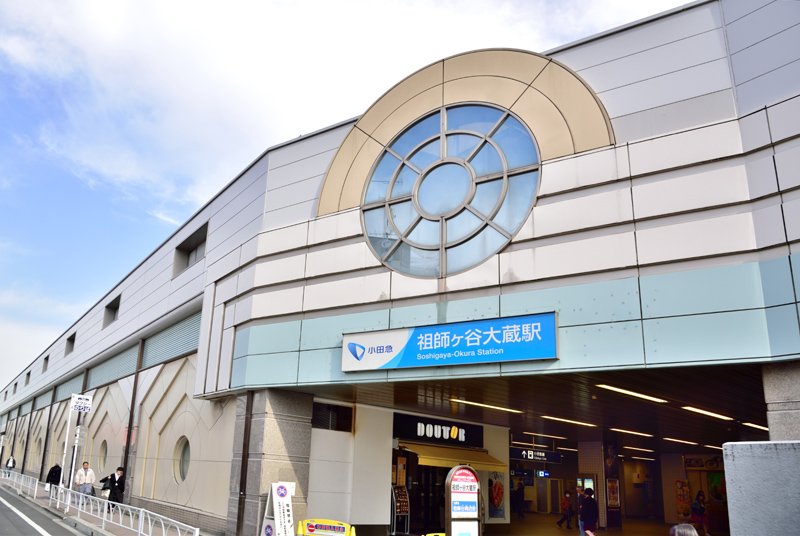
(88, 519)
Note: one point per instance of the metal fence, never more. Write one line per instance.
(22, 483)
(99, 511)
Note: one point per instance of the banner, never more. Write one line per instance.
(496, 340)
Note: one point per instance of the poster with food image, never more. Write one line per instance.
(496, 494)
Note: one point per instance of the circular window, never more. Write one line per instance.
(103, 455)
(181, 459)
(451, 190)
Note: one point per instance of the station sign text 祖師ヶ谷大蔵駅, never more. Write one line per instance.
(517, 338)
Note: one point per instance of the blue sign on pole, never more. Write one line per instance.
(496, 340)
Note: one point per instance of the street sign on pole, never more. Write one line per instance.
(81, 403)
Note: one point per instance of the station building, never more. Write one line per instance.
(489, 266)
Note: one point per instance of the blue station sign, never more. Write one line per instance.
(517, 338)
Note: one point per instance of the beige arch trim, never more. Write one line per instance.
(563, 113)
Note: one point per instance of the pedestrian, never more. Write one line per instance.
(579, 497)
(84, 478)
(698, 518)
(684, 529)
(566, 511)
(11, 462)
(115, 484)
(589, 512)
(53, 477)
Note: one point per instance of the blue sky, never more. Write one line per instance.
(119, 119)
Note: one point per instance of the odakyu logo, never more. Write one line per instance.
(356, 350)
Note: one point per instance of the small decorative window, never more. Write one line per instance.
(103, 455)
(181, 459)
(451, 190)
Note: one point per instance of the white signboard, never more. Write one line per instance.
(81, 403)
(282, 493)
(464, 528)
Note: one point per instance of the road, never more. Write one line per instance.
(19, 517)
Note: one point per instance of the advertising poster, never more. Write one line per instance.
(496, 493)
(683, 499)
(612, 486)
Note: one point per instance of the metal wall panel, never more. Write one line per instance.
(335, 227)
(353, 290)
(278, 270)
(787, 163)
(710, 185)
(674, 117)
(339, 259)
(294, 194)
(653, 62)
(584, 170)
(43, 400)
(299, 170)
(583, 210)
(285, 216)
(607, 252)
(667, 88)
(114, 368)
(784, 118)
(762, 23)
(66, 389)
(271, 302)
(685, 148)
(768, 55)
(679, 26)
(178, 339)
(731, 335)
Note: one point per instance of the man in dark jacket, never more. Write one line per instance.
(54, 475)
(115, 482)
(589, 512)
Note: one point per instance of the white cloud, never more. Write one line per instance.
(27, 303)
(177, 104)
(20, 339)
(166, 218)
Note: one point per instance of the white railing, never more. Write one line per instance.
(22, 483)
(98, 510)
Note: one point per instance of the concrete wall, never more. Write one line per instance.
(756, 475)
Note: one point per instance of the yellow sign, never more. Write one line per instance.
(324, 527)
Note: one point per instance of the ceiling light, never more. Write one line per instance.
(623, 431)
(713, 447)
(487, 406)
(639, 449)
(545, 435)
(579, 423)
(530, 444)
(645, 459)
(567, 448)
(631, 393)
(758, 426)
(709, 413)
(679, 441)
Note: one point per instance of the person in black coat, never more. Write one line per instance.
(589, 511)
(115, 482)
(54, 475)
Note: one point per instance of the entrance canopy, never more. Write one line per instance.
(437, 456)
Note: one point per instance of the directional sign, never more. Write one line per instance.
(534, 455)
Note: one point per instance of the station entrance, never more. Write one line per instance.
(647, 440)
